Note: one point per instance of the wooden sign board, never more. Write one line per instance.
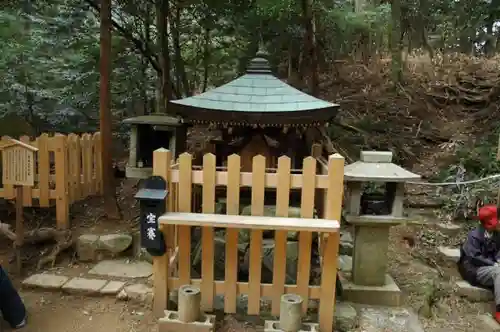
(18, 163)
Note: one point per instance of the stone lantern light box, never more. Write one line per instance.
(372, 213)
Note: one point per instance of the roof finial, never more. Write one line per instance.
(262, 52)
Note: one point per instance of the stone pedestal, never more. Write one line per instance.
(370, 255)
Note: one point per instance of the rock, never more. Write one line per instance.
(449, 255)
(346, 317)
(472, 293)
(122, 295)
(123, 269)
(345, 263)
(373, 319)
(448, 229)
(137, 292)
(346, 237)
(115, 243)
(86, 247)
(346, 248)
(45, 280)
(144, 255)
(84, 285)
(292, 254)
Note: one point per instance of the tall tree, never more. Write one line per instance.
(109, 189)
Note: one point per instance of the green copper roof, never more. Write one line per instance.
(256, 97)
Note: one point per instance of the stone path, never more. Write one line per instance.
(104, 283)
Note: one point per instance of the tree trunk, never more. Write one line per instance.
(181, 75)
(311, 45)
(111, 208)
(396, 42)
(166, 91)
(206, 59)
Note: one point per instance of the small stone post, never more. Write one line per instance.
(290, 313)
(189, 304)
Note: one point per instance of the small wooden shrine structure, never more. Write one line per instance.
(258, 113)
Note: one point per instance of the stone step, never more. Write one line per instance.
(449, 255)
(472, 293)
(85, 286)
(91, 287)
(488, 324)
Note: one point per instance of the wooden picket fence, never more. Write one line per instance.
(314, 183)
(68, 169)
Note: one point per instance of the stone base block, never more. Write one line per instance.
(387, 295)
(488, 324)
(472, 293)
(274, 326)
(171, 323)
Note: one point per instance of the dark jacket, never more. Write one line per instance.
(477, 251)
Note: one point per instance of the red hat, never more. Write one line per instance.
(488, 216)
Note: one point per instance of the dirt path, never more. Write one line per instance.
(55, 312)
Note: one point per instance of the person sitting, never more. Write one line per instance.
(11, 304)
(479, 255)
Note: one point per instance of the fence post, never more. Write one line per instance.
(44, 170)
(334, 193)
(61, 167)
(162, 159)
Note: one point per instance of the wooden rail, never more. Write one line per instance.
(326, 187)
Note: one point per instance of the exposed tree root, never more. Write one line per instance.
(63, 239)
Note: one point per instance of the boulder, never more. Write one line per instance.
(292, 255)
(115, 243)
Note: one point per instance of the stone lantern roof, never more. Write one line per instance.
(377, 166)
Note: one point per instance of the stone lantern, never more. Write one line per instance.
(375, 194)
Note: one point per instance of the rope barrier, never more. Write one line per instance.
(457, 183)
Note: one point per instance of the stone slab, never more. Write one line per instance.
(472, 293)
(84, 285)
(488, 324)
(449, 255)
(123, 269)
(376, 156)
(170, 323)
(112, 288)
(273, 326)
(45, 281)
(387, 295)
(448, 229)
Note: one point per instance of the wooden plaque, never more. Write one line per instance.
(18, 163)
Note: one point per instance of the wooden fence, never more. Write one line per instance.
(68, 169)
(182, 176)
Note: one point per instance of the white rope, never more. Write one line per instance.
(458, 183)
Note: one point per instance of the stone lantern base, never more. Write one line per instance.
(387, 295)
